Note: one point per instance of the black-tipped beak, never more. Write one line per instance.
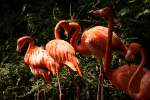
(18, 49)
(96, 13)
(92, 12)
(66, 32)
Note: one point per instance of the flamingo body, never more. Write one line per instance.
(133, 79)
(37, 58)
(139, 84)
(121, 76)
(40, 72)
(64, 53)
(93, 41)
(96, 39)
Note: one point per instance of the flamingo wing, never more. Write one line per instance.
(40, 72)
(96, 41)
(63, 53)
(97, 38)
(39, 58)
(145, 86)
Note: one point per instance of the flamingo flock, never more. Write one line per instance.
(99, 41)
(132, 79)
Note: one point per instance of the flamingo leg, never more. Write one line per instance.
(76, 85)
(38, 91)
(60, 93)
(100, 83)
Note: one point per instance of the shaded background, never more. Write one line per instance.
(38, 19)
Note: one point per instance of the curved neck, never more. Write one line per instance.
(108, 54)
(75, 35)
(136, 74)
(58, 28)
(57, 31)
(31, 44)
(143, 60)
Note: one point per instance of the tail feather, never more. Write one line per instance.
(73, 63)
(46, 77)
(52, 69)
(79, 71)
(52, 66)
(70, 65)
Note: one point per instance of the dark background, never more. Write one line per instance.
(38, 19)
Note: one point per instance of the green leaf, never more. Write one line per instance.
(68, 78)
(132, 1)
(146, 11)
(124, 11)
(147, 1)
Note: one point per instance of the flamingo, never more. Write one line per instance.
(39, 61)
(93, 41)
(139, 84)
(120, 76)
(62, 51)
(68, 49)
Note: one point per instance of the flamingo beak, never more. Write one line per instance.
(66, 31)
(129, 57)
(104, 12)
(96, 12)
(18, 49)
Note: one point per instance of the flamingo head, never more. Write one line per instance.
(18, 49)
(65, 25)
(21, 41)
(62, 24)
(133, 49)
(104, 12)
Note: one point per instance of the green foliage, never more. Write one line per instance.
(38, 18)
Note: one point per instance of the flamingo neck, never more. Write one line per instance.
(57, 30)
(143, 60)
(136, 73)
(31, 44)
(75, 36)
(108, 54)
(57, 35)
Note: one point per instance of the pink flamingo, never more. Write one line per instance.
(41, 62)
(38, 60)
(139, 84)
(64, 24)
(62, 51)
(121, 76)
